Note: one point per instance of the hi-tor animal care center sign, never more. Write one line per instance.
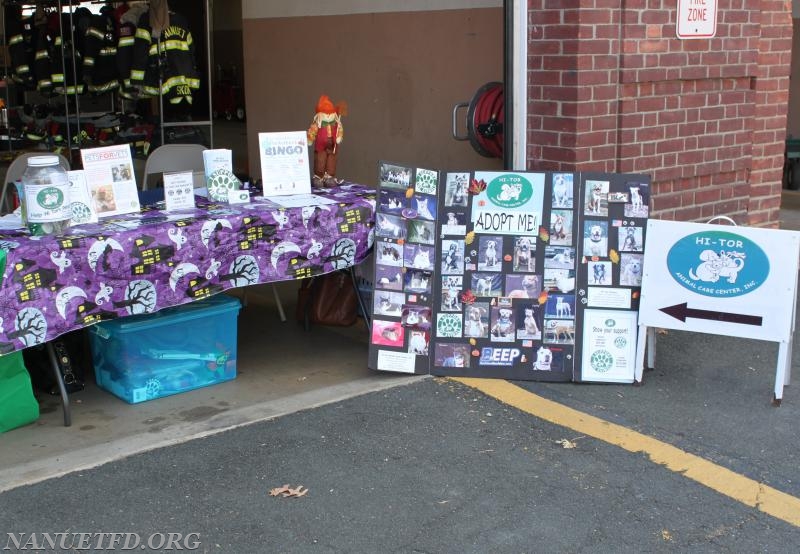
(724, 280)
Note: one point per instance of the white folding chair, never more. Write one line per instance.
(186, 157)
(173, 157)
(15, 170)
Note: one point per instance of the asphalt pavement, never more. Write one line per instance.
(436, 466)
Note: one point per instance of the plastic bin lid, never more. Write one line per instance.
(202, 308)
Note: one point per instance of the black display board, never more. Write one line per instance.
(492, 274)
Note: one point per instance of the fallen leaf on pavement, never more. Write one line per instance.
(666, 535)
(287, 491)
(566, 443)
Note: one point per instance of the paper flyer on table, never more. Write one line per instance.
(301, 200)
(110, 179)
(178, 191)
(218, 158)
(80, 199)
(284, 163)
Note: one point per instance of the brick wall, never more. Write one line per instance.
(611, 89)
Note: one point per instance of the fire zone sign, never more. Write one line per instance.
(696, 19)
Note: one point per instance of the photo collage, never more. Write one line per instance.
(505, 306)
(613, 222)
(487, 273)
(405, 268)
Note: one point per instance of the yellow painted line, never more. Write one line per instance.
(747, 491)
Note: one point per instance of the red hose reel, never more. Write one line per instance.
(484, 122)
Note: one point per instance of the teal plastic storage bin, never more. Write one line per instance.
(175, 350)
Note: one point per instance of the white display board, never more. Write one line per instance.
(725, 280)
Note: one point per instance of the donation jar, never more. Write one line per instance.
(47, 204)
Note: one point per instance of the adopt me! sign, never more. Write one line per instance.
(508, 203)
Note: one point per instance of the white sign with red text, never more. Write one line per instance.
(696, 19)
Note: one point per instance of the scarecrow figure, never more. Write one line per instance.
(326, 133)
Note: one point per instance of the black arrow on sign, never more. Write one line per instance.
(682, 311)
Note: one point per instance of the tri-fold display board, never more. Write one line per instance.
(514, 275)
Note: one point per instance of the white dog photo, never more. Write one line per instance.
(630, 272)
(595, 241)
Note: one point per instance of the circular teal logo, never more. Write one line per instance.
(50, 198)
(509, 191)
(601, 361)
(719, 264)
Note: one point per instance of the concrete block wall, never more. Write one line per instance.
(612, 89)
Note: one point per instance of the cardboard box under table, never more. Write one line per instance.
(175, 350)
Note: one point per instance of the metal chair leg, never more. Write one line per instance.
(51, 354)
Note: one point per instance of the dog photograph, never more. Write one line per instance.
(451, 355)
(561, 227)
(392, 202)
(390, 226)
(421, 231)
(630, 239)
(595, 239)
(558, 331)
(559, 257)
(562, 190)
(418, 281)
(599, 273)
(560, 306)
(490, 253)
(452, 257)
(549, 358)
(558, 280)
(524, 258)
(418, 256)
(416, 316)
(387, 333)
(452, 286)
(486, 284)
(476, 320)
(523, 285)
(394, 176)
(456, 189)
(418, 340)
(528, 321)
(596, 199)
(640, 200)
(388, 277)
(454, 223)
(501, 324)
(630, 269)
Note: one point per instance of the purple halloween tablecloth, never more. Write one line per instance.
(143, 262)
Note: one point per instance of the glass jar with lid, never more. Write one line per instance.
(47, 203)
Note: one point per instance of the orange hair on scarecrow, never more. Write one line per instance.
(324, 105)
